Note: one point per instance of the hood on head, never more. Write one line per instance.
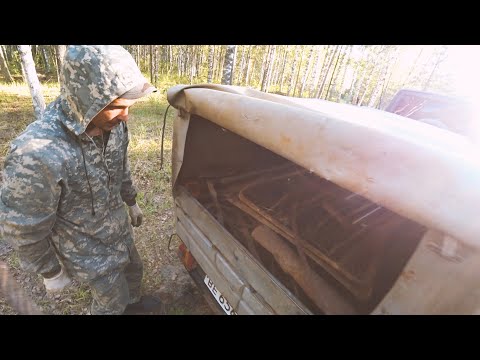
(92, 77)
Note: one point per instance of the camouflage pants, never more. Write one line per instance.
(113, 292)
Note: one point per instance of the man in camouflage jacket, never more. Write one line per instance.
(67, 177)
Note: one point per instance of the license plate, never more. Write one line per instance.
(225, 305)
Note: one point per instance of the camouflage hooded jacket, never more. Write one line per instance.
(63, 192)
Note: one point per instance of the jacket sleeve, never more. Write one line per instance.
(128, 190)
(28, 204)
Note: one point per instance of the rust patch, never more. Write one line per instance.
(408, 275)
(285, 139)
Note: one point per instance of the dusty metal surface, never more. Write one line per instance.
(440, 278)
(398, 163)
(345, 193)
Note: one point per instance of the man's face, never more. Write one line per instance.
(113, 114)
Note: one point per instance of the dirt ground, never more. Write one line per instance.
(176, 290)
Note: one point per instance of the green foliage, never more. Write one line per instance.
(189, 64)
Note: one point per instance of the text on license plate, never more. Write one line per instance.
(219, 297)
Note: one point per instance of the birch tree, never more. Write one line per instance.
(151, 64)
(306, 72)
(249, 62)
(268, 69)
(380, 83)
(370, 77)
(333, 72)
(356, 89)
(46, 59)
(277, 65)
(292, 72)
(245, 59)
(327, 70)
(31, 78)
(211, 49)
(282, 72)
(228, 64)
(441, 56)
(345, 68)
(299, 68)
(412, 69)
(316, 73)
(60, 53)
(155, 63)
(221, 60)
(4, 67)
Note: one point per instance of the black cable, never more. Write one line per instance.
(88, 179)
(163, 136)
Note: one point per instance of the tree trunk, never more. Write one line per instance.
(379, 87)
(367, 82)
(307, 71)
(211, 49)
(247, 70)
(221, 59)
(193, 66)
(323, 72)
(337, 74)
(31, 78)
(282, 72)
(252, 69)
(186, 59)
(215, 61)
(198, 60)
(299, 69)
(8, 49)
(385, 88)
(239, 73)
(345, 68)
(327, 70)
(265, 67)
(292, 72)
(276, 66)
(316, 73)
(265, 53)
(155, 68)
(60, 53)
(34, 51)
(333, 72)
(271, 64)
(245, 59)
(46, 59)
(357, 88)
(441, 57)
(151, 63)
(137, 55)
(171, 60)
(412, 69)
(228, 64)
(179, 63)
(4, 67)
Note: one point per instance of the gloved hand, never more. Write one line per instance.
(136, 215)
(58, 282)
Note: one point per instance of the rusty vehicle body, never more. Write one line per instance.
(446, 112)
(303, 206)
